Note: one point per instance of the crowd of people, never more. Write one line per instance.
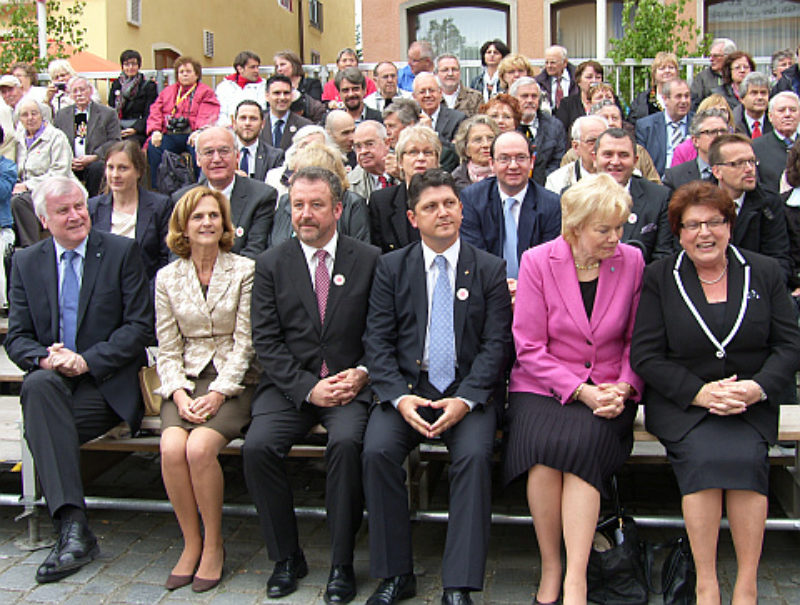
(407, 258)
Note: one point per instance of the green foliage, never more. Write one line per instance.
(445, 37)
(21, 39)
(650, 27)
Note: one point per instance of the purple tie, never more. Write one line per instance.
(322, 283)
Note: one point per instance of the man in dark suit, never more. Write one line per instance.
(507, 198)
(91, 129)
(255, 156)
(252, 203)
(706, 126)
(281, 123)
(660, 133)
(543, 131)
(751, 115)
(352, 87)
(760, 222)
(558, 73)
(772, 150)
(436, 356)
(647, 227)
(428, 95)
(79, 321)
(309, 311)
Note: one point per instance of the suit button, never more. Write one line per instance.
(391, 246)
(419, 362)
(588, 342)
(588, 364)
(410, 387)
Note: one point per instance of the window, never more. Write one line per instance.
(760, 28)
(135, 12)
(315, 14)
(208, 43)
(573, 25)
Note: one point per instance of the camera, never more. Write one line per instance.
(62, 86)
(178, 125)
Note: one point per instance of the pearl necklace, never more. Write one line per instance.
(588, 267)
(711, 282)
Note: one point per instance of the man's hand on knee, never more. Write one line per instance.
(407, 406)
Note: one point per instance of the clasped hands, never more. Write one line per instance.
(606, 399)
(63, 361)
(454, 410)
(200, 409)
(728, 396)
(338, 389)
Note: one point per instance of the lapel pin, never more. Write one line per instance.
(462, 294)
(612, 269)
(292, 128)
(466, 272)
(239, 231)
(632, 218)
(338, 279)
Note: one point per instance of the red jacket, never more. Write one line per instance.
(202, 108)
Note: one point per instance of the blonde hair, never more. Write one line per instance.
(324, 156)
(661, 59)
(514, 61)
(594, 197)
(177, 241)
(60, 66)
(717, 101)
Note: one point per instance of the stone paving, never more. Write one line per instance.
(139, 549)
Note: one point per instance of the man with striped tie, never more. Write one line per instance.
(660, 133)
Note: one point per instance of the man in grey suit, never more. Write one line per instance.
(772, 149)
(428, 95)
(252, 203)
(255, 156)
(91, 129)
(647, 227)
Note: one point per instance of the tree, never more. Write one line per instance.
(445, 37)
(650, 27)
(20, 42)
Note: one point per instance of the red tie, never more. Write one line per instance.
(756, 130)
(322, 283)
(382, 182)
(559, 91)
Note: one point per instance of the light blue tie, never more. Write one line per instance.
(70, 293)
(441, 344)
(510, 239)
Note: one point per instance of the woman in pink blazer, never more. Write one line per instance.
(572, 392)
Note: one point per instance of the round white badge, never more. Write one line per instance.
(632, 218)
(338, 279)
(462, 294)
(239, 231)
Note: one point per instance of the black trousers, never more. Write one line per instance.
(27, 225)
(269, 439)
(387, 443)
(59, 414)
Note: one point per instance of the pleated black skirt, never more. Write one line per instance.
(720, 452)
(568, 438)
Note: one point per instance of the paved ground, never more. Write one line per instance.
(139, 549)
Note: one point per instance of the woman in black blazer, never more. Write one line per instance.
(128, 209)
(716, 341)
(132, 95)
(578, 104)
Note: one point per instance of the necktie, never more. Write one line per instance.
(383, 183)
(756, 130)
(244, 163)
(441, 344)
(69, 300)
(277, 133)
(559, 91)
(510, 239)
(677, 134)
(322, 283)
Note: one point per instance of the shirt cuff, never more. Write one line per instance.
(396, 401)
(469, 402)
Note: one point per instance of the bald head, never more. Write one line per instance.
(341, 126)
(427, 92)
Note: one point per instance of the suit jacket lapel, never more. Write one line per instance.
(91, 126)
(562, 267)
(342, 265)
(751, 205)
(398, 216)
(91, 267)
(464, 273)
(48, 276)
(236, 193)
(220, 281)
(144, 215)
(735, 283)
(416, 269)
(636, 195)
(607, 282)
(526, 229)
(297, 266)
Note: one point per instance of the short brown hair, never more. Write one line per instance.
(133, 150)
(292, 58)
(699, 193)
(715, 150)
(727, 75)
(177, 241)
(585, 65)
(186, 60)
(503, 99)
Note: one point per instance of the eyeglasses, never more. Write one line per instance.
(714, 133)
(740, 163)
(505, 160)
(224, 152)
(714, 223)
(450, 70)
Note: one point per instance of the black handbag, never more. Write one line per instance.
(616, 573)
(678, 576)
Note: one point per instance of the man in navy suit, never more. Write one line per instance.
(661, 132)
(436, 356)
(255, 156)
(308, 314)
(79, 321)
(428, 95)
(510, 199)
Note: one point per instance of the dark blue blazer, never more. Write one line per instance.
(651, 133)
(115, 316)
(484, 226)
(152, 224)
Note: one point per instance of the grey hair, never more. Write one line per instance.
(204, 131)
(778, 55)
(425, 74)
(754, 78)
(523, 81)
(424, 46)
(301, 135)
(728, 45)
(75, 79)
(24, 102)
(702, 116)
(595, 109)
(666, 87)
(784, 94)
(406, 110)
(562, 51)
(55, 186)
(577, 125)
(445, 56)
(380, 129)
(316, 174)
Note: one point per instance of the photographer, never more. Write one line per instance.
(179, 111)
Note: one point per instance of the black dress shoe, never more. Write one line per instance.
(392, 590)
(76, 547)
(284, 576)
(456, 596)
(341, 586)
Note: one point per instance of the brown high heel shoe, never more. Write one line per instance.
(202, 584)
